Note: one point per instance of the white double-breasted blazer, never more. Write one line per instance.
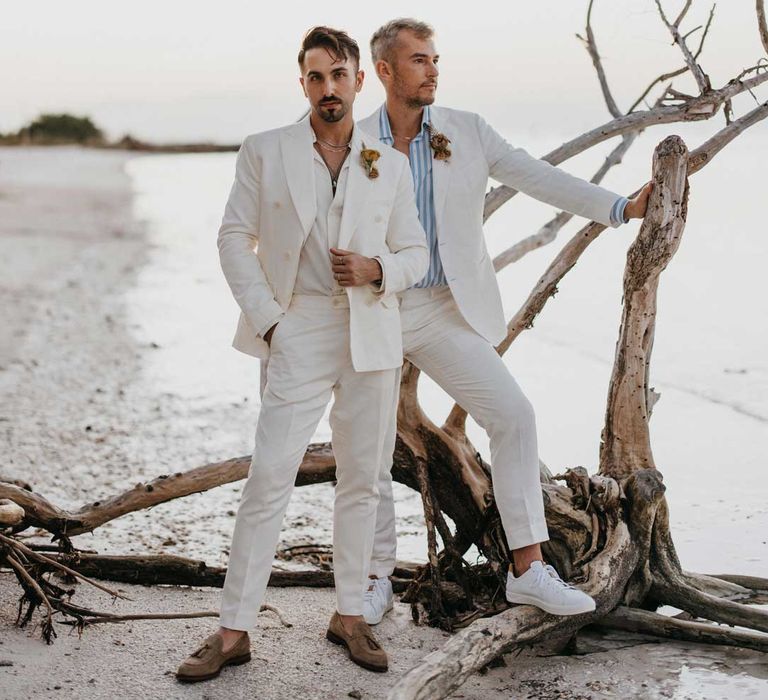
(269, 214)
(477, 153)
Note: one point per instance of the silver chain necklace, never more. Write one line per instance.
(336, 147)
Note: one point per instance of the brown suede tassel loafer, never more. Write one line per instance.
(362, 646)
(207, 661)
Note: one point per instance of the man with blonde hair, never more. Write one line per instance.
(452, 318)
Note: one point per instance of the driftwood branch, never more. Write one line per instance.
(762, 24)
(444, 670)
(698, 108)
(546, 286)
(647, 622)
(547, 233)
(702, 80)
(317, 466)
(626, 442)
(591, 46)
(679, 71)
(169, 569)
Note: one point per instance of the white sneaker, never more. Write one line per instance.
(378, 599)
(542, 586)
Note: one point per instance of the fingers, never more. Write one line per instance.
(340, 267)
(345, 280)
(343, 263)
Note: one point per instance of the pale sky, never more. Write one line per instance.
(175, 71)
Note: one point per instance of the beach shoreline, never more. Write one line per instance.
(81, 422)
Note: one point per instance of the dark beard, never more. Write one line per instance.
(332, 117)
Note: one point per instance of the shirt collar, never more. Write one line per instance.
(385, 128)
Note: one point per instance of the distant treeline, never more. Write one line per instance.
(58, 129)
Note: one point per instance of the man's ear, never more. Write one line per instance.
(383, 70)
(301, 80)
(360, 80)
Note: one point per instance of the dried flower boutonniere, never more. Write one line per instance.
(439, 143)
(369, 156)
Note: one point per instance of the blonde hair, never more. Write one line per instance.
(384, 39)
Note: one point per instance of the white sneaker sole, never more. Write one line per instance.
(376, 621)
(522, 599)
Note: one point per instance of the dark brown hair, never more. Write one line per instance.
(336, 42)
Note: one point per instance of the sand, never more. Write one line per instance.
(82, 418)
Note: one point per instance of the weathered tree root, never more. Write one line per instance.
(30, 566)
(168, 569)
(647, 622)
(84, 617)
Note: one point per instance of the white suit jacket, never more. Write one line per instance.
(477, 153)
(269, 213)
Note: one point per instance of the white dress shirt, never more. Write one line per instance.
(315, 275)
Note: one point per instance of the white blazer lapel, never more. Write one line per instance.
(357, 189)
(441, 169)
(298, 163)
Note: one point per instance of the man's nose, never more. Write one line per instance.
(433, 70)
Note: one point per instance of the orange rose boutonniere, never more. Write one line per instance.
(439, 143)
(369, 156)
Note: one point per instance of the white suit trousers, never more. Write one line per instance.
(309, 362)
(438, 341)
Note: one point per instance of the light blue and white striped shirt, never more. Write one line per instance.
(421, 170)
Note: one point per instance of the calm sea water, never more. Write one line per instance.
(710, 359)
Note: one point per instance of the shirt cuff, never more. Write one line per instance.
(262, 331)
(378, 288)
(617, 212)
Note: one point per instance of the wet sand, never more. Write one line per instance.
(83, 416)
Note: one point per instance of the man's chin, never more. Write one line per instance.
(418, 102)
(335, 116)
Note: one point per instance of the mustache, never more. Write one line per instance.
(329, 100)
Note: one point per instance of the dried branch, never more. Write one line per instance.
(546, 287)
(445, 669)
(646, 622)
(29, 584)
(625, 444)
(317, 466)
(702, 79)
(679, 71)
(762, 24)
(591, 46)
(697, 109)
(15, 544)
(549, 231)
(711, 147)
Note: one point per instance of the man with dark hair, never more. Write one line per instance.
(338, 44)
(453, 318)
(319, 233)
